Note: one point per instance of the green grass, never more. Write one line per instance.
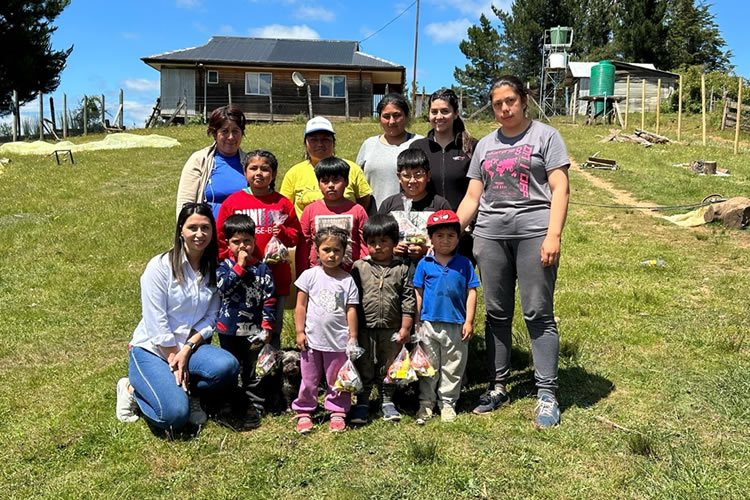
(662, 351)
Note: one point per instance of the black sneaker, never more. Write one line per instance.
(359, 414)
(490, 400)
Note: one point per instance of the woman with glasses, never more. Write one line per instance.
(449, 147)
(170, 360)
(217, 171)
(300, 185)
(377, 156)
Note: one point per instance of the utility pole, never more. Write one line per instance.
(414, 74)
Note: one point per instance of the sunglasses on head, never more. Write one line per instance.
(193, 204)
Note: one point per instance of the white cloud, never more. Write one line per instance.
(279, 31)
(226, 29)
(450, 31)
(474, 8)
(141, 84)
(187, 4)
(130, 35)
(316, 13)
(137, 112)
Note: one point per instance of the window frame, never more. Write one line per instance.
(332, 85)
(257, 90)
(208, 76)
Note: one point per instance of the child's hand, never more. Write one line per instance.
(265, 335)
(467, 331)
(242, 256)
(301, 341)
(276, 230)
(416, 252)
(403, 336)
(401, 249)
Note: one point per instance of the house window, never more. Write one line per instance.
(213, 76)
(332, 86)
(258, 83)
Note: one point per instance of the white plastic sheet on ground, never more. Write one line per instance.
(114, 141)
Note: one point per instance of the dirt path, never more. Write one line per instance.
(619, 196)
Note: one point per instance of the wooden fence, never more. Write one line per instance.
(729, 117)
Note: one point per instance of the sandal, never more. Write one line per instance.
(337, 423)
(304, 423)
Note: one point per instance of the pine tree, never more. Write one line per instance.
(641, 33)
(31, 65)
(694, 37)
(487, 60)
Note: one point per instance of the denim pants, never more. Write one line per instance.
(313, 364)
(161, 400)
(501, 264)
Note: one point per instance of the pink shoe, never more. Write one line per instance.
(304, 423)
(337, 423)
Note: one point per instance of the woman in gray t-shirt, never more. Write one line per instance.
(518, 189)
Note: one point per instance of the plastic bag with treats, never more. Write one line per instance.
(276, 251)
(421, 362)
(266, 360)
(348, 379)
(401, 371)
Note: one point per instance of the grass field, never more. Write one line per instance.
(662, 352)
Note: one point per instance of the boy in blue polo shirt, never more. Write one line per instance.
(446, 287)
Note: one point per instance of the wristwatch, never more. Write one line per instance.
(192, 346)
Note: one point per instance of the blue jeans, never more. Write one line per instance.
(160, 399)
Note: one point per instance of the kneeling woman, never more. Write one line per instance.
(170, 361)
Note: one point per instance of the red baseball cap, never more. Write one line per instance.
(442, 217)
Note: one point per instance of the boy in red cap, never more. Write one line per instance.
(446, 287)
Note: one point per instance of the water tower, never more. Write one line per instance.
(557, 42)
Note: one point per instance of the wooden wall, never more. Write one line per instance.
(668, 87)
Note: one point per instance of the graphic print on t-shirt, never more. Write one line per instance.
(330, 301)
(507, 171)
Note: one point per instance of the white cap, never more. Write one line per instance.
(317, 124)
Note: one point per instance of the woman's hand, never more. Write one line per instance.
(550, 250)
(178, 363)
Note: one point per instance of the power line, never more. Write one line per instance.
(389, 22)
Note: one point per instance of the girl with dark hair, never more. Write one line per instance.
(264, 206)
(449, 148)
(170, 359)
(519, 188)
(213, 173)
(378, 154)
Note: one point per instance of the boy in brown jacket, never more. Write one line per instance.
(387, 305)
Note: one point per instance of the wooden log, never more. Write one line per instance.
(709, 167)
(613, 133)
(733, 213)
(651, 137)
(635, 139)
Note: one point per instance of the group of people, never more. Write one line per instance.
(362, 279)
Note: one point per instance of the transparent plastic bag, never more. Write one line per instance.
(276, 252)
(258, 336)
(421, 362)
(401, 371)
(348, 379)
(353, 351)
(266, 360)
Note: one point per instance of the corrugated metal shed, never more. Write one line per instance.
(273, 52)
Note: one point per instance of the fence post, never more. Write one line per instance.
(121, 109)
(186, 107)
(703, 105)
(643, 104)
(65, 116)
(574, 98)
(52, 113)
(679, 111)
(627, 102)
(85, 115)
(346, 101)
(658, 103)
(41, 116)
(103, 112)
(738, 120)
(270, 105)
(229, 92)
(16, 114)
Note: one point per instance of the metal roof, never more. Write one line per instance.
(583, 69)
(273, 51)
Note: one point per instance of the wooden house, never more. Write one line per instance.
(580, 73)
(340, 81)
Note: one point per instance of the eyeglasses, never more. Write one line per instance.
(417, 176)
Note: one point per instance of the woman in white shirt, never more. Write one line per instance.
(170, 360)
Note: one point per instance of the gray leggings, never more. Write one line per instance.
(500, 263)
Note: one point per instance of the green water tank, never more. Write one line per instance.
(602, 81)
(559, 35)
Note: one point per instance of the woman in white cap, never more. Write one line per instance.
(300, 185)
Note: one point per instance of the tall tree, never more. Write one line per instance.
(487, 60)
(641, 33)
(694, 37)
(32, 65)
(593, 30)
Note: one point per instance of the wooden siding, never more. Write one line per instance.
(668, 87)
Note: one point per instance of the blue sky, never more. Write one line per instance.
(110, 37)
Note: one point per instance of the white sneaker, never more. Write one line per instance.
(423, 415)
(126, 409)
(447, 413)
(197, 415)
